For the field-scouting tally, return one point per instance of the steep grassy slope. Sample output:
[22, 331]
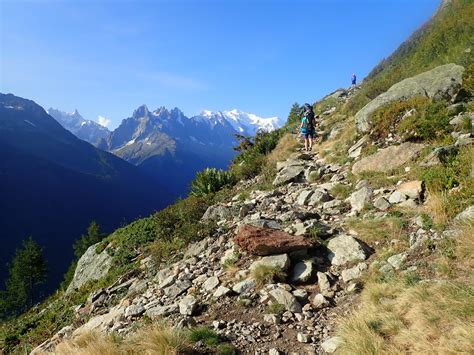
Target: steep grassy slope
[447, 38]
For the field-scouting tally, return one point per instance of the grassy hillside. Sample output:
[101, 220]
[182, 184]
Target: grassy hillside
[447, 38]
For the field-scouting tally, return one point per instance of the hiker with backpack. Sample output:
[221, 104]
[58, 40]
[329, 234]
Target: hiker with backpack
[307, 126]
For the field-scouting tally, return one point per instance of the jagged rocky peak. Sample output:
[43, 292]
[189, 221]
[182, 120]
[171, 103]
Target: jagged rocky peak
[141, 111]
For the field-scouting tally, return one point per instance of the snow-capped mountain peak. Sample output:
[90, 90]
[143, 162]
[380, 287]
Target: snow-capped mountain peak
[243, 122]
[87, 130]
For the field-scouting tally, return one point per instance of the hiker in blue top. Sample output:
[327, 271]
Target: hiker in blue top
[307, 126]
[353, 81]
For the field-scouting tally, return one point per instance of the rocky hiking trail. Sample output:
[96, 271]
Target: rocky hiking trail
[297, 228]
[285, 265]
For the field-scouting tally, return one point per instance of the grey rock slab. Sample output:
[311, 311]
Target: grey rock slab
[302, 271]
[388, 158]
[286, 299]
[244, 287]
[466, 215]
[177, 289]
[211, 283]
[353, 273]
[319, 196]
[330, 345]
[381, 203]
[319, 301]
[134, 310]
[360, 198]
[397, 260]
[397, 197]
[304, 197]
[221, 291]
[161, 311]
[281, 261]
[188, 305]
[288, 174]
[442, 82]
[344, 249]
[91, 266]
[323, 282]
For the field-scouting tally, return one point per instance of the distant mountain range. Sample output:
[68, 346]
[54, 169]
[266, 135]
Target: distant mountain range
[87, 130]
[52, 185]
[168, 145]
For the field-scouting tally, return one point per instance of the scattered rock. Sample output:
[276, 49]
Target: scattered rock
[353, 273]
[397, 260]
[288, 174]
[466, 215]
[412, 189]
[134, 310]
[286, 299]
[188, 305]
[221, 291]
[210, 284]
[302, 271]
[319, 301]
[281, 261]
[360, 198]
[245, 286]
[330, 345]
[381, 204]
[344, 249]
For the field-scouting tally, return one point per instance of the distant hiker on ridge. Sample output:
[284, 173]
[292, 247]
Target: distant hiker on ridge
[353, 81]
[307, 126]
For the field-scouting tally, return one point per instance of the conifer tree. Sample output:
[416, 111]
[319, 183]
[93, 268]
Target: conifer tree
[27, 271]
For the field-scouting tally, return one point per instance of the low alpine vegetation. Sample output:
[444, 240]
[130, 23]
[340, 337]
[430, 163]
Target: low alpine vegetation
[210, 181]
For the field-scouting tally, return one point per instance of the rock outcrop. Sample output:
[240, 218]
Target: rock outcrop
[443, 82]
[388, 158]
[91, 266]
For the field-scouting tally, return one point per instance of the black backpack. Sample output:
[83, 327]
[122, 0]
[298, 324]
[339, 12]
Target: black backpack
[309, 114]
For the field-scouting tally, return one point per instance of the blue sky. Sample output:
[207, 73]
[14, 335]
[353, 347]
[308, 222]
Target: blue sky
[108, 57]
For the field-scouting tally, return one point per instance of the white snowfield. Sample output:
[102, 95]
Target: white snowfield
[246, 123]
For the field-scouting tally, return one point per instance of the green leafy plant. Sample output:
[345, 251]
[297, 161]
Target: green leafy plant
[204, 334]
[211, 180]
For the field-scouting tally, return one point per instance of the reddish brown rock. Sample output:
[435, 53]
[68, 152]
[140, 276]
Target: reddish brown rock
[267, 241]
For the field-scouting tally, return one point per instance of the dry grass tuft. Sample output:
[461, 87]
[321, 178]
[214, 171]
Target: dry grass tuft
[402, 315]
[158, 339]
[286, 145]
[436, 206]
[265, 274]
[388, 228]
[335, 150]
[429, 318]
[89, 343]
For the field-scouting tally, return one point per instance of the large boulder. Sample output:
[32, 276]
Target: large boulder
[286, 299]
[289, 174]
[443, 82]
[388, 158]
[91, 266]
[344, 249]
[266, 241]
[360, 198]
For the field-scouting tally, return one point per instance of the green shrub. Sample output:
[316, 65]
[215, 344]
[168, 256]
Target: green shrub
[226, 349]
[252, 158]
[204, 334]
[429, 120]
[211, 180]
[276, 308]
[341, 191]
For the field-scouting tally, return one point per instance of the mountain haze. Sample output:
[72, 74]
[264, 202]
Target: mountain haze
[54, 184]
